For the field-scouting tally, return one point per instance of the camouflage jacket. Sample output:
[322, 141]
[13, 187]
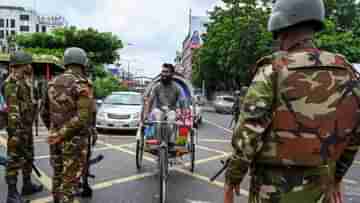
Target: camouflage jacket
[21, 104]
[68, 105]
[299, 111]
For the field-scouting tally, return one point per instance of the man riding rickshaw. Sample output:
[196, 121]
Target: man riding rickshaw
[166, 128]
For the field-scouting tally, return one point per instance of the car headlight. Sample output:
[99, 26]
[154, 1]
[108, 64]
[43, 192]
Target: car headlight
[136, 115]
[101, 115]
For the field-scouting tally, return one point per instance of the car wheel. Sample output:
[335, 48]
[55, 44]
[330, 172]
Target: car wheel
[101, 130]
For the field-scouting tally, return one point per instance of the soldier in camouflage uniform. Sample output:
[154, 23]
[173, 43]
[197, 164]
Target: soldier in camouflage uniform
[297, 132]
[67, 114]
[19, 96]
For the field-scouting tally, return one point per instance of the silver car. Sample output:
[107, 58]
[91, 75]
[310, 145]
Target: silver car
[120, 111]
[224, 104]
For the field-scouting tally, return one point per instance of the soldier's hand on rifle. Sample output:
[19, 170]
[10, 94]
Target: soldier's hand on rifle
[54, 139]
[229, 192]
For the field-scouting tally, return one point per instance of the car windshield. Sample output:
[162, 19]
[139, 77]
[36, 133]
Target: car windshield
[123, 99]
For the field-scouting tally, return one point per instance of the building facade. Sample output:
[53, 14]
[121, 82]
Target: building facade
[17, 20]
[197, 28]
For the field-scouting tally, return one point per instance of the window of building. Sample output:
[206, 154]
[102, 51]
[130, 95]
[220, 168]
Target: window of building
[7, 22]
[12, 23]
[7, 33]
[13, 32]
[43, 28]
[2, 34]
[24, 17]
[2, 22]
[37, 29]
[24, 28]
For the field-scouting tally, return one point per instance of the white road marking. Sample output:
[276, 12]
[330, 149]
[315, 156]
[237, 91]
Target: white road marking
[213, 158]
[42, 200]
[94, 150]
[44, 179]
[206, 179]
[119, 148]
[219, 126]
[210, 150]
[352, 182]
[107, 184]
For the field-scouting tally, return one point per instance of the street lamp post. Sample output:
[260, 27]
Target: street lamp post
[128, 61]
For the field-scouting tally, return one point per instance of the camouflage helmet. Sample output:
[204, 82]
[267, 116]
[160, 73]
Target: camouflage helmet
[287, 13]
[75, 55]
[20, 58]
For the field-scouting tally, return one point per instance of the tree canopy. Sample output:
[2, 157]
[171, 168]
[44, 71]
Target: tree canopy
[237, 37]
[101, 47]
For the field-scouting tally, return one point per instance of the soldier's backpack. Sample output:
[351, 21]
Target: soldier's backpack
[315, 112]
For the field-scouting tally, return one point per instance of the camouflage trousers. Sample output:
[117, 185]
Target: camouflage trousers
[292, 185]
[20, 153]
[68, 161]
[56, 161]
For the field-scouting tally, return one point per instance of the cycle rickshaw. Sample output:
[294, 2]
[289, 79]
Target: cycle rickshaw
[156, 142]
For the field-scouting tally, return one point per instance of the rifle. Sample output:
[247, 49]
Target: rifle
[222, 169]
[84, 186]
[3, 162]
[228, 195]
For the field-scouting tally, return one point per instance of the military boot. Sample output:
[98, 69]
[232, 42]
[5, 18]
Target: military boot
[56, 200]
[30, 188]
[13, 195]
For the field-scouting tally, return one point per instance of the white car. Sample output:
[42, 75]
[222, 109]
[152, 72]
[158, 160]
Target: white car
[120, 111]
[224, 104]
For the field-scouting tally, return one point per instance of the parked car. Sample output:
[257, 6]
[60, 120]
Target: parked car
[224, 104]
[120, 111]
[200, 99]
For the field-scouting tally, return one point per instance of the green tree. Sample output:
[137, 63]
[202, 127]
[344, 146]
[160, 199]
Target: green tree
[101, 47]
[237, 37]
[104, 86]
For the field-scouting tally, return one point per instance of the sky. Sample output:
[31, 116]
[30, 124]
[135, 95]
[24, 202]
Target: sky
[154, 28]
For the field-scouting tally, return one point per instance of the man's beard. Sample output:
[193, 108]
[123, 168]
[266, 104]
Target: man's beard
[166, 80]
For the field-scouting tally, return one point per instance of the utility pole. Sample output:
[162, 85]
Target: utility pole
[128, 70]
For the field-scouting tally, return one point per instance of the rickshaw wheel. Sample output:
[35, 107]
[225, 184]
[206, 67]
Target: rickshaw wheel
[139, 152]
[163, 164]
[192, 147]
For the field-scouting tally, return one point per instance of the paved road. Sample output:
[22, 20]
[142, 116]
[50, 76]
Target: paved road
[118, 181]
